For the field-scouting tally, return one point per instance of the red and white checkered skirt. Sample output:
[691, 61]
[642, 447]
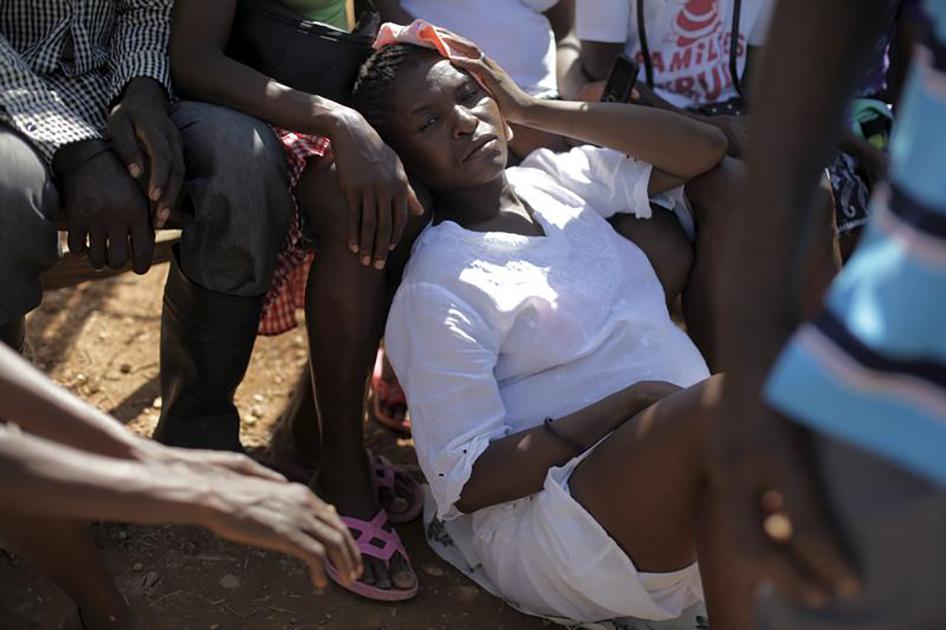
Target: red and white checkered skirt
[287, 291]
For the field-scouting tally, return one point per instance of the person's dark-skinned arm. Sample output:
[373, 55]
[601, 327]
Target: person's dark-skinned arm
[561, 19]
[370, 173]
[679, 148]
[62, 458]
[42, 478]
[793, 135]
[516, 466]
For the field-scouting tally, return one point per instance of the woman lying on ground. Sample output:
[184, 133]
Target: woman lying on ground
[558, 412]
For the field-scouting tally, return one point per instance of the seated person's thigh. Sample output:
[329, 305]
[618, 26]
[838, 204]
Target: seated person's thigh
[28, 237]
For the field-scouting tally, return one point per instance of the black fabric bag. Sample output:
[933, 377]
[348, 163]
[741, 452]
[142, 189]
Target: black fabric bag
[308, 56]
[735, 106]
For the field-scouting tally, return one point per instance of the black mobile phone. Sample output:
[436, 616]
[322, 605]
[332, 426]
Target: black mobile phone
[621, 80]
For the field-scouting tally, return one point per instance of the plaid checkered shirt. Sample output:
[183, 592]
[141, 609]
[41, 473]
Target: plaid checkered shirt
[64, 63]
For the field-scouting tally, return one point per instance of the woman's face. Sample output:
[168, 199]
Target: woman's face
[445, 127]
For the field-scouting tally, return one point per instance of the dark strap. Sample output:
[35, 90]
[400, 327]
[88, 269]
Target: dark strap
[734, 47]
[645, 48]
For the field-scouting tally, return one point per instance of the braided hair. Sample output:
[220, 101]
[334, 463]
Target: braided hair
[377, 74]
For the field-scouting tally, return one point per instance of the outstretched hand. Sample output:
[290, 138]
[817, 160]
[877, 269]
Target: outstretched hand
[774, 519]
[253, 505]
[288, 518]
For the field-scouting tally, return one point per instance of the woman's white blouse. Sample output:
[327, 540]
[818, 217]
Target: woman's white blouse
[490, 333]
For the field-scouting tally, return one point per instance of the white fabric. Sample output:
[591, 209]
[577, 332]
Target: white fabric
[688, 40]
[513, 32]
[609, 180]
[490, 333]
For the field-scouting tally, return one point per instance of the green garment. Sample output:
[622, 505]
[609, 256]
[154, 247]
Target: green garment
[326, 11]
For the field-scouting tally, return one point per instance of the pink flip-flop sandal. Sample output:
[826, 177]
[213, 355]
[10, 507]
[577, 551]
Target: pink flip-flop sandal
[383, 477]
[382, 393]
[373, 540]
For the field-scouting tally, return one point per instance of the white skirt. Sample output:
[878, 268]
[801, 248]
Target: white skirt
[547, 556]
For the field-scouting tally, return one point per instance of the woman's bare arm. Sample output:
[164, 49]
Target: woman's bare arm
[201, 70]
[515, 466]
[677, 146]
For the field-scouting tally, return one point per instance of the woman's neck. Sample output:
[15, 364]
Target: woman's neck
[493, 207]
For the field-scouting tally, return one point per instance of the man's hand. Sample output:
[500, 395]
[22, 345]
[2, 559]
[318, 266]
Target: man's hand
[106, 211]
[148, 143]
[251, 504]
[284, 517]
[376, 188]
[769, 500]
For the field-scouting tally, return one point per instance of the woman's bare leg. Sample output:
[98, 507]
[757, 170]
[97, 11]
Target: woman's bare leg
[646, 486]
[64, 551]
[346, 308]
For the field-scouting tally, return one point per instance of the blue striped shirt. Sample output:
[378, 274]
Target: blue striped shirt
[871, 369]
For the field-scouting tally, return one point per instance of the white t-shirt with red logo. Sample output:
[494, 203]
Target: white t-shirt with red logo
[689, 41]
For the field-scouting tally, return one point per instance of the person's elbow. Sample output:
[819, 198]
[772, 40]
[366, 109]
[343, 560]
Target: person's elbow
[713, 144]
[717, 145]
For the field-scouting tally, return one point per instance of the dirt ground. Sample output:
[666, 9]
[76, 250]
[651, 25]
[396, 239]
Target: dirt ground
[100, 340]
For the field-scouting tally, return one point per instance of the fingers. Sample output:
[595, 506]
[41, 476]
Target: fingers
[122, 134]
[413, 203]
[369, 213]
[142, 245]
[382, 241]
[814, 545]
[460, 44]
[331, 517]
[167, 170]
[98, 248]
[314, 556]
[475, 66]
[353, 200]
[175, 183]
[399, 219]
[783, 573]
[117, 249]
[159, 151]
[78, 239]
[337, 551]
